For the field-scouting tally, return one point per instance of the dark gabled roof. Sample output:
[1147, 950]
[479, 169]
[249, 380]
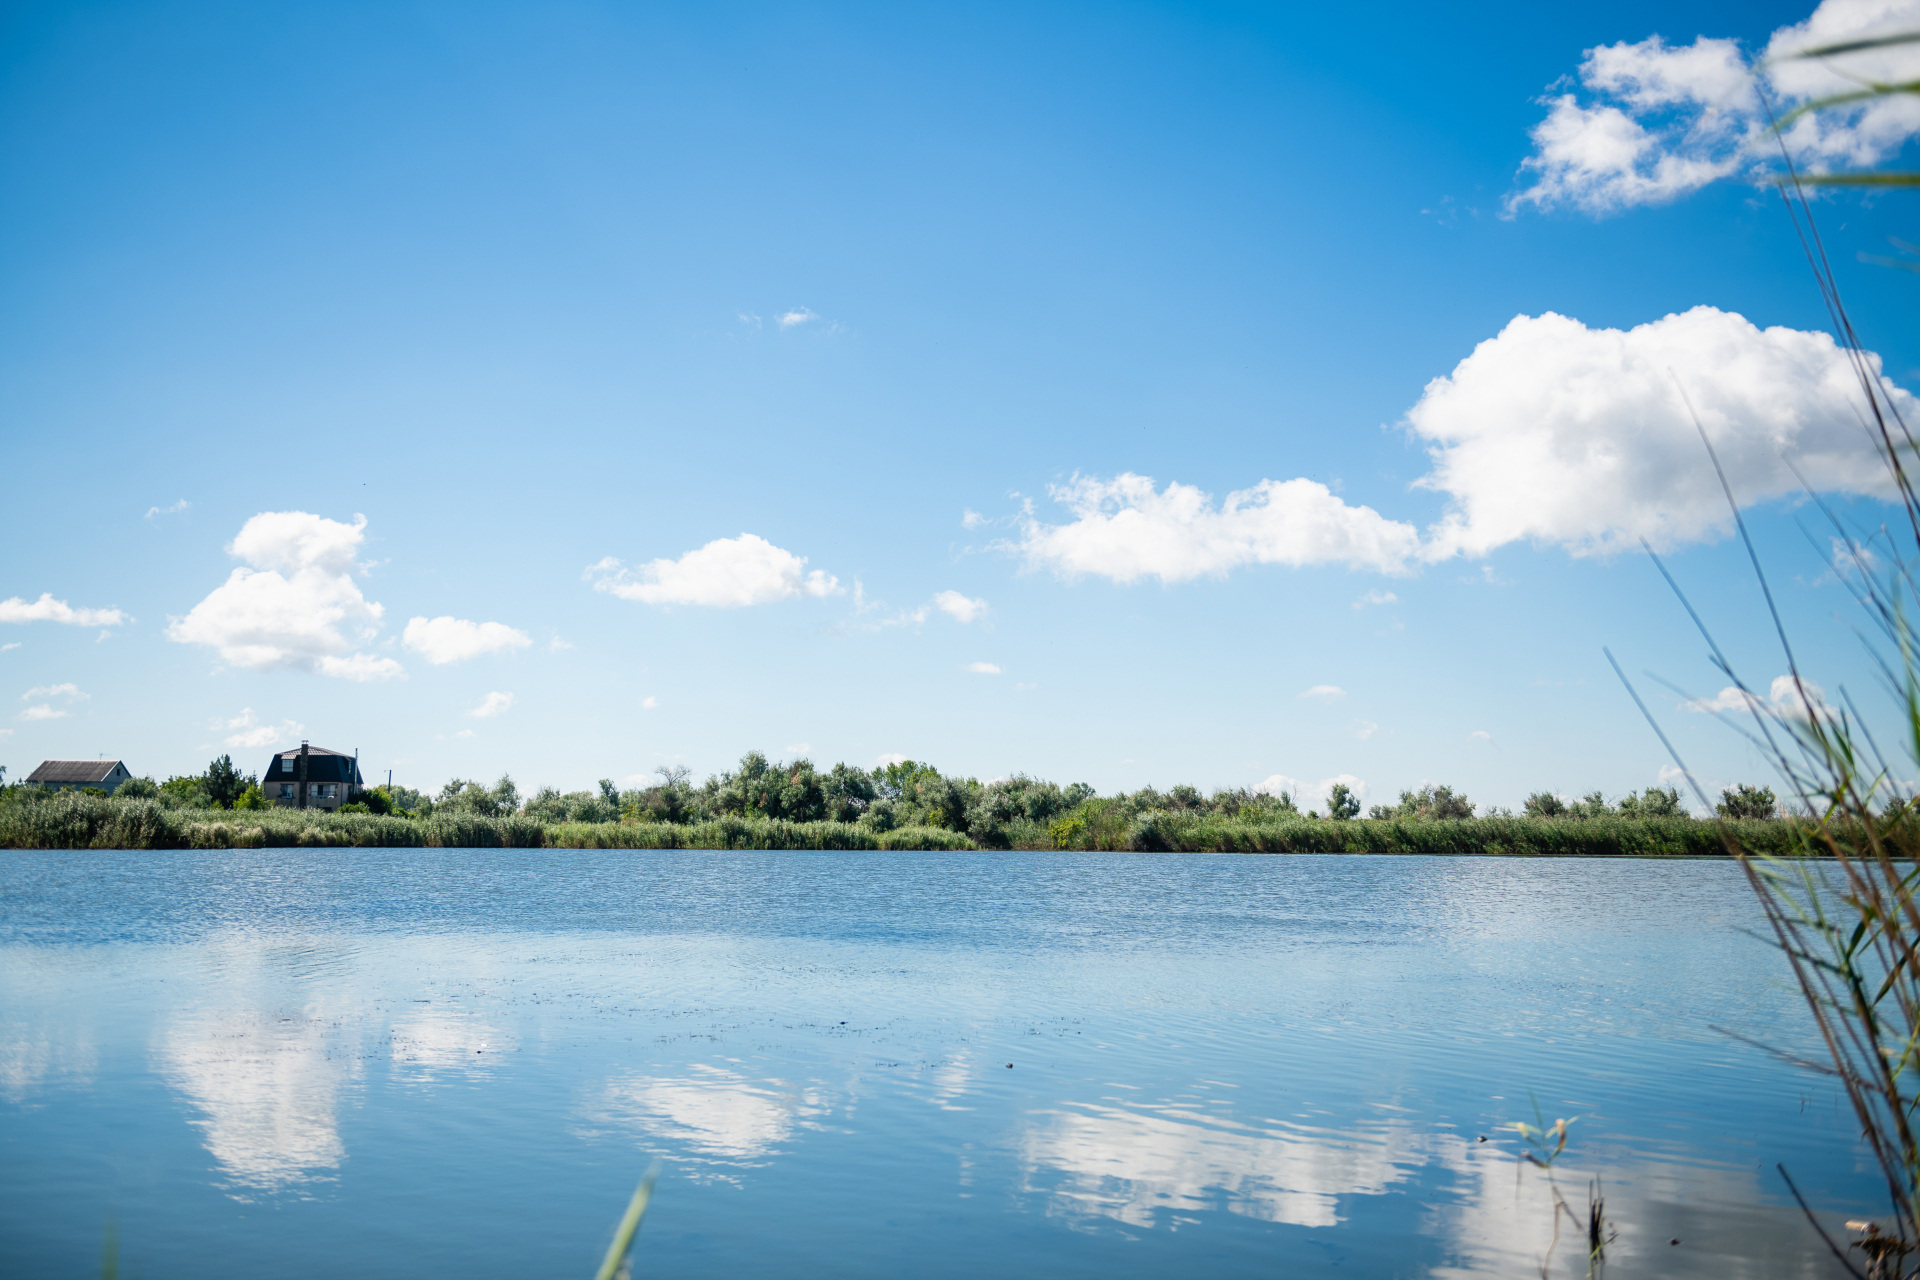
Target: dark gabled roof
[322, 766]
[74, 771]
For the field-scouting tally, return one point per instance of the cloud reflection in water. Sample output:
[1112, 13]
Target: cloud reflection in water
[267, 1088]
[1131, 1163]
[713, 1116]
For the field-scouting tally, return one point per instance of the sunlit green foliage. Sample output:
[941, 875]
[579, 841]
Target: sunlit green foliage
[1429, 803]
[1744, 801]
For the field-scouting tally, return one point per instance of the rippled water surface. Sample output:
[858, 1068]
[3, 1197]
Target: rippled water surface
[455, 1062]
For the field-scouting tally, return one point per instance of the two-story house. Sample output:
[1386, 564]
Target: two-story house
[312, 778]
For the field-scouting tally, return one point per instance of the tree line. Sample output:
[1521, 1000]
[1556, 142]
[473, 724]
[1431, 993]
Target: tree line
[909, 793]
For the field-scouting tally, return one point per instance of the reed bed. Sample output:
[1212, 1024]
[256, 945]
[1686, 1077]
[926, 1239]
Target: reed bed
[74, 821]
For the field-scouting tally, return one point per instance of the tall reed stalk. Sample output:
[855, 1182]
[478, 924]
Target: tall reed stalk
[1841, 902]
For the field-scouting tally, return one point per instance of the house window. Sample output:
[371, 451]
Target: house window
[286, 764]
[286, 791]
[328, 790]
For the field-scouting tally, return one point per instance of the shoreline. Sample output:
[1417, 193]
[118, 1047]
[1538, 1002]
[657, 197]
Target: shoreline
[86, 822]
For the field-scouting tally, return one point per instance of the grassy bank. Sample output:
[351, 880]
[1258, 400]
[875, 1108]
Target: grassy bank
[1500, 837]
[75, 821]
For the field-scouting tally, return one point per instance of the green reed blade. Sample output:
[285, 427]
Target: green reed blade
[629, 1226]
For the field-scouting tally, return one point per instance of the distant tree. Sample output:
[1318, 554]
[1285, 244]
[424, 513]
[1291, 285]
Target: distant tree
[252, 798]
[1654, 802]
[1744, 801]
[880, 816]
[1592, 805]
[224, 783]
[942, 802]
[498, 801]
[400, 801]
[1342, 804]
[848, 792]
[1429, 804]
[138, 789]
[901, 780]
[1185, 798]
[1545, 804]
[185, 793]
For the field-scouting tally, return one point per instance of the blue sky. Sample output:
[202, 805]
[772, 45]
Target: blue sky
[535, 289]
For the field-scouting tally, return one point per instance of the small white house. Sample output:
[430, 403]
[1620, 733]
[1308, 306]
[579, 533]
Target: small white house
[71, 775]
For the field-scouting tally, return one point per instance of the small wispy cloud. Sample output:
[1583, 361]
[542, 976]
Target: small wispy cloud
[246, 730]
[797, 316]
[891, 757]
[559, 645]
[1323, 693]
[44, 712]
[1375, 597]
[971, 519]
[1364, 729]
[68, 690]
[799, 748]
[1481, 735]
[982, 668]
[154, 513]
[649, 702]
[960, 608]
[495, 704]
[13, 645]
[47, 609]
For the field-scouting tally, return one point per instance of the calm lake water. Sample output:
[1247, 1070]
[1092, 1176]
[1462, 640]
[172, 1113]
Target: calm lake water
[381, 1063]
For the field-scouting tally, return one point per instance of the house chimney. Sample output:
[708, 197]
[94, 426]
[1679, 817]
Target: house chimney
[303, 773]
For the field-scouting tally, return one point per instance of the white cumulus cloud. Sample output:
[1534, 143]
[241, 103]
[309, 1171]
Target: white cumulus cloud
[1653, 120]
[958, 607]
[1555, 432]
[247, 731]
[47, 609]
[1549, 432]
[1324, 693]
[293, 604]
[1375, 597]
[649, 702]
[1784, 698]
[1125, 529]
[727, 573]
[982, 668]
[45, 711]
[494, 704]
[446, 639]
